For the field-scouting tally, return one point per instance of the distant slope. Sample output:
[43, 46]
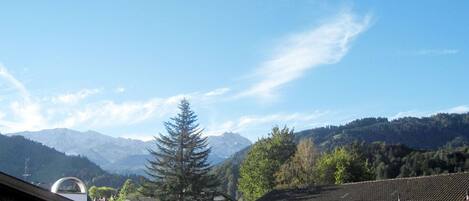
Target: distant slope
[420, 133]
[99, 148]
[122, 155]
[225, 145]
[46, 165]
[228, 172]
[428, 133]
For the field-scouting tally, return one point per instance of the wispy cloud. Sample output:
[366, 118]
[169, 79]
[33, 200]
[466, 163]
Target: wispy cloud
[249, 124]
[325, 44]
[436, 52]
[411, 113]
[119, 90]
[419, 113]
[458, 109]
[25, 113]
[73, 98]
[8, 77]
[69, 110]
[218, 92]
[139, 136]
[109, 113]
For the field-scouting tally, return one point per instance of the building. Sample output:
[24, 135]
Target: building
[14, 189]
[79, 195]
[447, 187]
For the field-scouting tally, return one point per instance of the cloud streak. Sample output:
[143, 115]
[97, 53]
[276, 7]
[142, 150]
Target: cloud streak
[8, 77]
[25, 113]
[437, 52]
[325, 44]
[109, 113]
[70, 111]
[73, 98]
[251, 125]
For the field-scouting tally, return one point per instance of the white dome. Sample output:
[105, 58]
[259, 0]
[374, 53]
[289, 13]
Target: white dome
[55, 188]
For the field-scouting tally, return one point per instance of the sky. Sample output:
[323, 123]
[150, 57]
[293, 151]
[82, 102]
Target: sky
[121, 67]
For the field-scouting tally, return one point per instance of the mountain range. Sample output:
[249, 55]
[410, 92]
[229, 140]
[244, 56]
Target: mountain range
[122, 155]
[42, 165]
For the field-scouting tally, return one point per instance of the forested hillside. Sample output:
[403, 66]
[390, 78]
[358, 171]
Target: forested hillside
[421, 133]
[399, 148]
[46, 165]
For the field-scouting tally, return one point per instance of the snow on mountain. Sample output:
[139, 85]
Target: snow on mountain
[121, 154]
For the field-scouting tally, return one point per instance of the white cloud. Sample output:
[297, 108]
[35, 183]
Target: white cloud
[325, 44]
[252, 123]
[218, 92]
[25, 113]
[458, 109]
[73, 98]
[436, 52]
[411, 113]
[119, 90]
[418, 113]
[14, 82]
[139, 136]
[109, 113]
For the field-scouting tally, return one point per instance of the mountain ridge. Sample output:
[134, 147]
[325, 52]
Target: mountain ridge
[46, 165]
[431, 133]
[122, 155]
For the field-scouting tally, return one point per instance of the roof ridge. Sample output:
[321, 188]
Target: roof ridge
[406, 178]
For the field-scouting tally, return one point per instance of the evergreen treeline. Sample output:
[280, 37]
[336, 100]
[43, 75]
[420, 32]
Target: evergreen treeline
[429, 145]
[420, 133]
[46, 165]
[391, 161]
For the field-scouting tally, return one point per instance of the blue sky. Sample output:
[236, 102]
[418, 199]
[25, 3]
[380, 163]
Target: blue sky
[120, 67]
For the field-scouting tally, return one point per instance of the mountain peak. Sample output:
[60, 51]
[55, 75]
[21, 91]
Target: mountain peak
[107, 151]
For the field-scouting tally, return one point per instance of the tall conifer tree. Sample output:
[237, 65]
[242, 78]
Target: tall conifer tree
[179, 169]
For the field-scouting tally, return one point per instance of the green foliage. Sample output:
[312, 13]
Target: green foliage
[179, 169]
[101, 192]
[127, 189]
[421, 133]
[228, 172]
[298, 171]
[263, 161]
[391, 161]
[387, 161]
[341, 166]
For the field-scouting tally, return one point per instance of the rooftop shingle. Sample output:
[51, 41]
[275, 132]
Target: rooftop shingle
[447, 187]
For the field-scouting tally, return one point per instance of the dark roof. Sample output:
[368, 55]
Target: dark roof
[447, 187]
[12, 186]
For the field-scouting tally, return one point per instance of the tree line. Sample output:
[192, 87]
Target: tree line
[276, 162]
[179, 170]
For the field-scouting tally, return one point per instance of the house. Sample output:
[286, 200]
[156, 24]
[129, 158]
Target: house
[446, 187]
[14, 189]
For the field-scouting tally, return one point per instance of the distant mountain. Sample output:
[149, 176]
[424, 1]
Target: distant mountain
[419, 133]
[102, 149]
[225, 145]
[429, 133]
[46, 165]
[123, 155]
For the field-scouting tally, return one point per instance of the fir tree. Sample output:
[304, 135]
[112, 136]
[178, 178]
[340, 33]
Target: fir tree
[179, 169]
